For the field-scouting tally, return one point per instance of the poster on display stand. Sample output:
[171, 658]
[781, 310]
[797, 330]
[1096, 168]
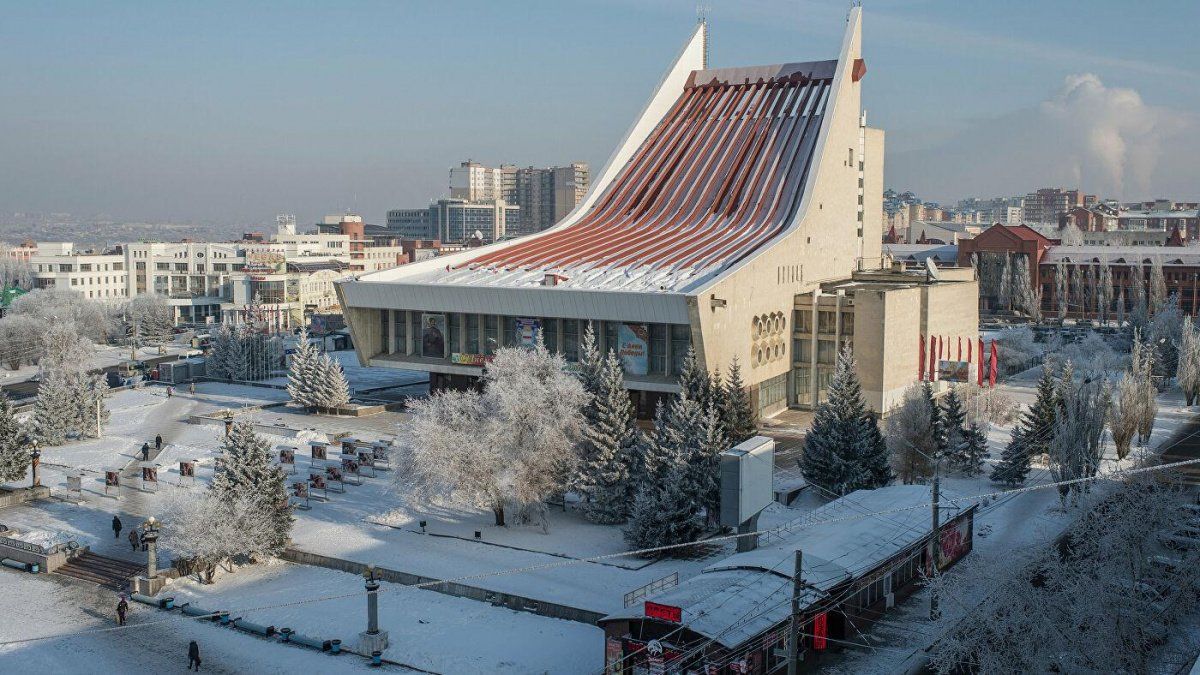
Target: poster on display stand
[287, 457]
[317, 480]
[350, 465]
[300, 490]
[334, 473]
[367, 458]
[187, 469]
[112, 480]
[150, 476]
[318, 451]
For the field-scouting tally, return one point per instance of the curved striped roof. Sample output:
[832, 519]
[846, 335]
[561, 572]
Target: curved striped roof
[721, 174]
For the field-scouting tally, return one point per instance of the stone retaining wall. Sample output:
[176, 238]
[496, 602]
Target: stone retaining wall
[516, 602]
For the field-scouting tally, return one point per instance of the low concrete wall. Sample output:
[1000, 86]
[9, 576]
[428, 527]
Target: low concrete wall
[21, 495]
[516, 602]
[48, 562]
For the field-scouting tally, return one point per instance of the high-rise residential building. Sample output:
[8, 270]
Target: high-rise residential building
[546, 195]
[1047, 204]
[456, 220]
[475, 182]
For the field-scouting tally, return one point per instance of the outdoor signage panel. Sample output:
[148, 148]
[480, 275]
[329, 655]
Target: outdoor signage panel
[954, 371]
[634, 348]
[527, 331]
[461, 359]
[433, 336]
[671, 613]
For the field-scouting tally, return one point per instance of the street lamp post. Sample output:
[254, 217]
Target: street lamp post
[372, 641]
[150, 537]
[35, 459]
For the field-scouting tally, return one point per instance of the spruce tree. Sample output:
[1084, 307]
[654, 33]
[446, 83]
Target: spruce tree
[591, 361]
[302, 371]
[333, 391]
[936, 423]
[14, 455]
[219, 364]
[953, 419]
[972, 451]
[1013, 467]
[54, 411]
[88, 393]
[705, 463]
[604, 480]
[664, 510]
[737, 410]
[1031, 435]
[694, 381]
[244, 470]
[843, 450]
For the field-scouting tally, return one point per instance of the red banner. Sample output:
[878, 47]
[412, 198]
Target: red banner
[671, 613]
[982, 361]
[992, 368]
[920, 357]
[820, 631]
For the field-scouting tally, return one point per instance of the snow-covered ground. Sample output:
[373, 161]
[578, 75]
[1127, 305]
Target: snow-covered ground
[105, 356]
[426, 629]
[79, 621]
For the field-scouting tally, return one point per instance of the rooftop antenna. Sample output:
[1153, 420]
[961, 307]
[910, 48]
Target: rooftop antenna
[702, 19]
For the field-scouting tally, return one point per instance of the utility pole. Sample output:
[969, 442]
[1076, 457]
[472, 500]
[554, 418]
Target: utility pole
[794, 628]
[934, 544]
[98, 402]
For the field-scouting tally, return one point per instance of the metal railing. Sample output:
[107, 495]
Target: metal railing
[636, 594]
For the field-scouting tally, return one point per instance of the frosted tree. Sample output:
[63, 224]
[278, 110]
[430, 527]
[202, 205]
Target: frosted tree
[220, 364]
[1104, 290]
[1140, 315]
[738, 411]
[604, 479]
[331, 390]
[1125, 413]
[14, 455]
[707, 441]
[841, 450]
[695, 382]
[591, 361]
[1121, 307]
[1060, 289]
[89, 394]
[54, 306]
[148, 319]
[1004, 294]
[208, 531]
[302, 372]
[1141, 365]
[20, 341]
[911, 437]
[15, 272]
[665, 509]
[1076, 446]
[1028, 300]
[244, 471]
[54, 412]
[511, 445]
[1090, 289]
[1071, 235]
[240, 354]
[1164, 335]
[937, 425]
[1078, 294]
[1187, 372]
[1158, 284]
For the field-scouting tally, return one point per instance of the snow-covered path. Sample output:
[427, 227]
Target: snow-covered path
[56, 606]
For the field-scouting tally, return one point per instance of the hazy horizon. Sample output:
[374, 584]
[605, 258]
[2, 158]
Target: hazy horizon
[228, 113]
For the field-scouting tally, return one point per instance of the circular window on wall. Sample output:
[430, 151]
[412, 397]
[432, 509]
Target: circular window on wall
[756, 328]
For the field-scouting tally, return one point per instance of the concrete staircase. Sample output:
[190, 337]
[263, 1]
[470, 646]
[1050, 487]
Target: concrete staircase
[100, 570]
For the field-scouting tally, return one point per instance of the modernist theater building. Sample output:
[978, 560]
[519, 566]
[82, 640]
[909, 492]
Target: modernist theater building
[742, 208]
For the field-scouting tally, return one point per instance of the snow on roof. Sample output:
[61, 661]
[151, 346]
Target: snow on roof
[737, 598]
[1130, 254]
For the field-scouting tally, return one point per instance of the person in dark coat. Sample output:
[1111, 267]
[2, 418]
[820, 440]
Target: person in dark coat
[158, 442]
[145, 452]
[116, 527]
[194, 656]
[134, 539]
[122, 608]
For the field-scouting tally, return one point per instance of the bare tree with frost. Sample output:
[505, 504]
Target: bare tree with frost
[511, 445]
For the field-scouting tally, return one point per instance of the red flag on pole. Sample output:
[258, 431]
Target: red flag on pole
[982, 362]
[932, 358]
[960, 348]
[920, 357]
[992, 369]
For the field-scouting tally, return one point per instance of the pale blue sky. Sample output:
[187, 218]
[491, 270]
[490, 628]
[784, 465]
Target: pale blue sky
[233, 111]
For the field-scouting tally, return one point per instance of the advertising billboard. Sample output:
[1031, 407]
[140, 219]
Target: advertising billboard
[954, 371]
[527, 331]
[433, 336]
[634, 348]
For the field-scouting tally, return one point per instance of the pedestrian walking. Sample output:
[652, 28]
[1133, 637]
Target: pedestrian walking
[194, 656]
[192, 388]
[158, 442]
[170, 392]
[122, 608]
[116, 525]
[145, 452]
[134, 540]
